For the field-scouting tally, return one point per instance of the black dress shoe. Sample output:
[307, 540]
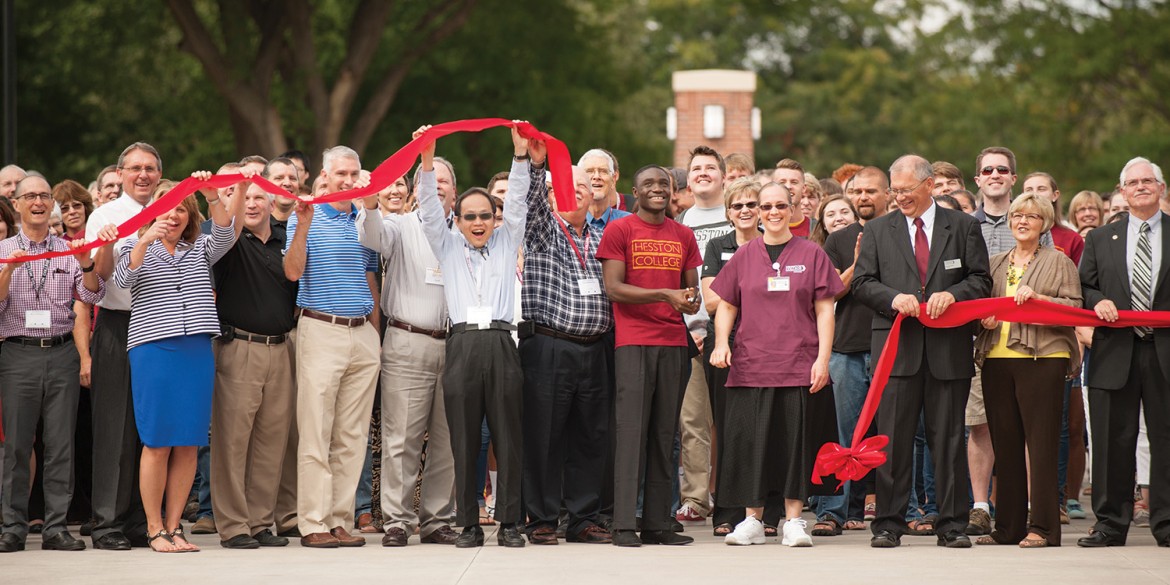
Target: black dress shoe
[139, 540]
[294, 532]
[112, 541]
[664, 537]
[240, 541]
[675, 525]
[62, 541]
[1098, 539]
[267, 538]
[954, 539]
[471, 537]
[10, 542]
[626, 538]
[509, 536]
[87, 528]
[885, 539]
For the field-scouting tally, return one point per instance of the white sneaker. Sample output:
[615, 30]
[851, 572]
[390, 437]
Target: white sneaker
[750, 531]
[794, 534]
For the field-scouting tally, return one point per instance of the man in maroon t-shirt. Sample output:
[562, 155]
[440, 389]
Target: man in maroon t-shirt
[649, 263]
[1064, 239]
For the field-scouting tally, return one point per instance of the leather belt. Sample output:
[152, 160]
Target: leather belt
[43, 342]
[436, 334]
[334, 319]
[264, 339]
[494, 325]
[582, 339]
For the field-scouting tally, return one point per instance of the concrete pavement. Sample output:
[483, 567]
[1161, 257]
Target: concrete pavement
[840, 559]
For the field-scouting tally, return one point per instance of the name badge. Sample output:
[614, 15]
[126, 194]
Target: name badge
[36, 320]
[726, 256]
[778, 283]
[589, 286]
[952, 264]
[480, 316]
[435, 276]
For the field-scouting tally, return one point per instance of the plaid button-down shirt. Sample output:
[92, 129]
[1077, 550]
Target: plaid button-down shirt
[62, 281]
[551, 295]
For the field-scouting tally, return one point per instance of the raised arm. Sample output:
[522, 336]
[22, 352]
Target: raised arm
[297, 249]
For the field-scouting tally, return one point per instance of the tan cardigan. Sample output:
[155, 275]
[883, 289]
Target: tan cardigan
[1051, 274]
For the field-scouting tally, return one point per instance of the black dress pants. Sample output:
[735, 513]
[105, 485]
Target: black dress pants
[566, 423]
[482, 376]
[650, 385]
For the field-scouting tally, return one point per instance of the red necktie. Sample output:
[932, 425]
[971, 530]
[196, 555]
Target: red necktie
[921, 249]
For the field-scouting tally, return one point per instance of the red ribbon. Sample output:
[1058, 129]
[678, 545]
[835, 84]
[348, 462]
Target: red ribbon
[381, 177]
[853, 463]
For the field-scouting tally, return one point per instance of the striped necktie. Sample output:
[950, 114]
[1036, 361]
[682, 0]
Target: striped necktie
[1140, 286]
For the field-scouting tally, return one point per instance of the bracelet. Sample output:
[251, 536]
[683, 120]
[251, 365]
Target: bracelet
[520, 157]
[92, 265]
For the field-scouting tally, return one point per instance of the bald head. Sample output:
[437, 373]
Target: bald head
[10, 175]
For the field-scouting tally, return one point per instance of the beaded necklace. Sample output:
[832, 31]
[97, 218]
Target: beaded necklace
[1014, 276]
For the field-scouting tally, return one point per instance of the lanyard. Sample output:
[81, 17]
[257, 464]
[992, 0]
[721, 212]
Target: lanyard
[477, 279]
[37, 288]
[573, 243]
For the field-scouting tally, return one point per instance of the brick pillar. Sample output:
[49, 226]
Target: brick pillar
[731, 89]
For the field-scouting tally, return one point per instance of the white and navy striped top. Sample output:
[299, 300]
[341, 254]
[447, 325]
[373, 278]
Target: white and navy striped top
[334, 281]
[172, 296]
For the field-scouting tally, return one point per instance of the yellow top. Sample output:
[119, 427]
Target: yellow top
[1001, 350]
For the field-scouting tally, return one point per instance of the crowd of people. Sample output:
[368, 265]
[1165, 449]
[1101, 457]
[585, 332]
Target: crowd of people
[288, 369]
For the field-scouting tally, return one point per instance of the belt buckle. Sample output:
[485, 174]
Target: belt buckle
[45, 342]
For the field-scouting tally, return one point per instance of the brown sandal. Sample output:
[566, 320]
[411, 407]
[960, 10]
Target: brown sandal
[988, 539]
[1040, 542]
[827, 526]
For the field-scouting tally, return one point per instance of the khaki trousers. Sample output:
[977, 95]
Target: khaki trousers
[695, 436]
[337, 371]
[412, 406]
[285, 513]
[251, 413]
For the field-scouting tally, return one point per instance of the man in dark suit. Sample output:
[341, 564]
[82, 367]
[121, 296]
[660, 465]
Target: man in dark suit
[1124, 266]
[934, 255]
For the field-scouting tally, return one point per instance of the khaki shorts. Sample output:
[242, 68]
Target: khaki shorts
[976, 412]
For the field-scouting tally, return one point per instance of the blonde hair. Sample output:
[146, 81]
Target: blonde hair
[1043, 205]
[190, 203]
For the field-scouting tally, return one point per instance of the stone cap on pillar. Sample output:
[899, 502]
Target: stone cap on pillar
[713, 80]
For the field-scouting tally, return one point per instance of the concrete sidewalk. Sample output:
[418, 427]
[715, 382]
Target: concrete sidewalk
[839, 559]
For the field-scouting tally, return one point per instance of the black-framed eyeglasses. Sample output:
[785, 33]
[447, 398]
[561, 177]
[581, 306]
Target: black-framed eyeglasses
[32, 196]
[899, 192]
[747, 204]
[986, 171]
[766, 207]
[486, 215]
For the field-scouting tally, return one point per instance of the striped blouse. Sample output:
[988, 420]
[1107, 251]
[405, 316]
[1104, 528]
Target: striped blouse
[172, 295]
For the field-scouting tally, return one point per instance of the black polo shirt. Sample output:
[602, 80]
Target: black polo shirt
[719, 252]
[252, 292]
[854, 319]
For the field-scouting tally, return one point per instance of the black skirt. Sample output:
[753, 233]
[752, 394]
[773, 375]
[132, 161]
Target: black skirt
[771, 438]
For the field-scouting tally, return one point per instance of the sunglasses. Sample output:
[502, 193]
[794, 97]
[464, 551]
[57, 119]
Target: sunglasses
[481, 216]
[986, 171]
[749, 205]
[766, 207]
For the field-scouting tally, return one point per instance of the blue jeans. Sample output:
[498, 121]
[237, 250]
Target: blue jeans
[924, 472]
[203, 480]
[363, 501]
[1063, 453]
[481, 463]
[850, 375]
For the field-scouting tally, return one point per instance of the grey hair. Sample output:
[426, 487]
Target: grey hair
[596, 152]
[332, 154]
[7, 168]
[444, 162]
[1137, 161]
[921, 167]
[139, 146]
